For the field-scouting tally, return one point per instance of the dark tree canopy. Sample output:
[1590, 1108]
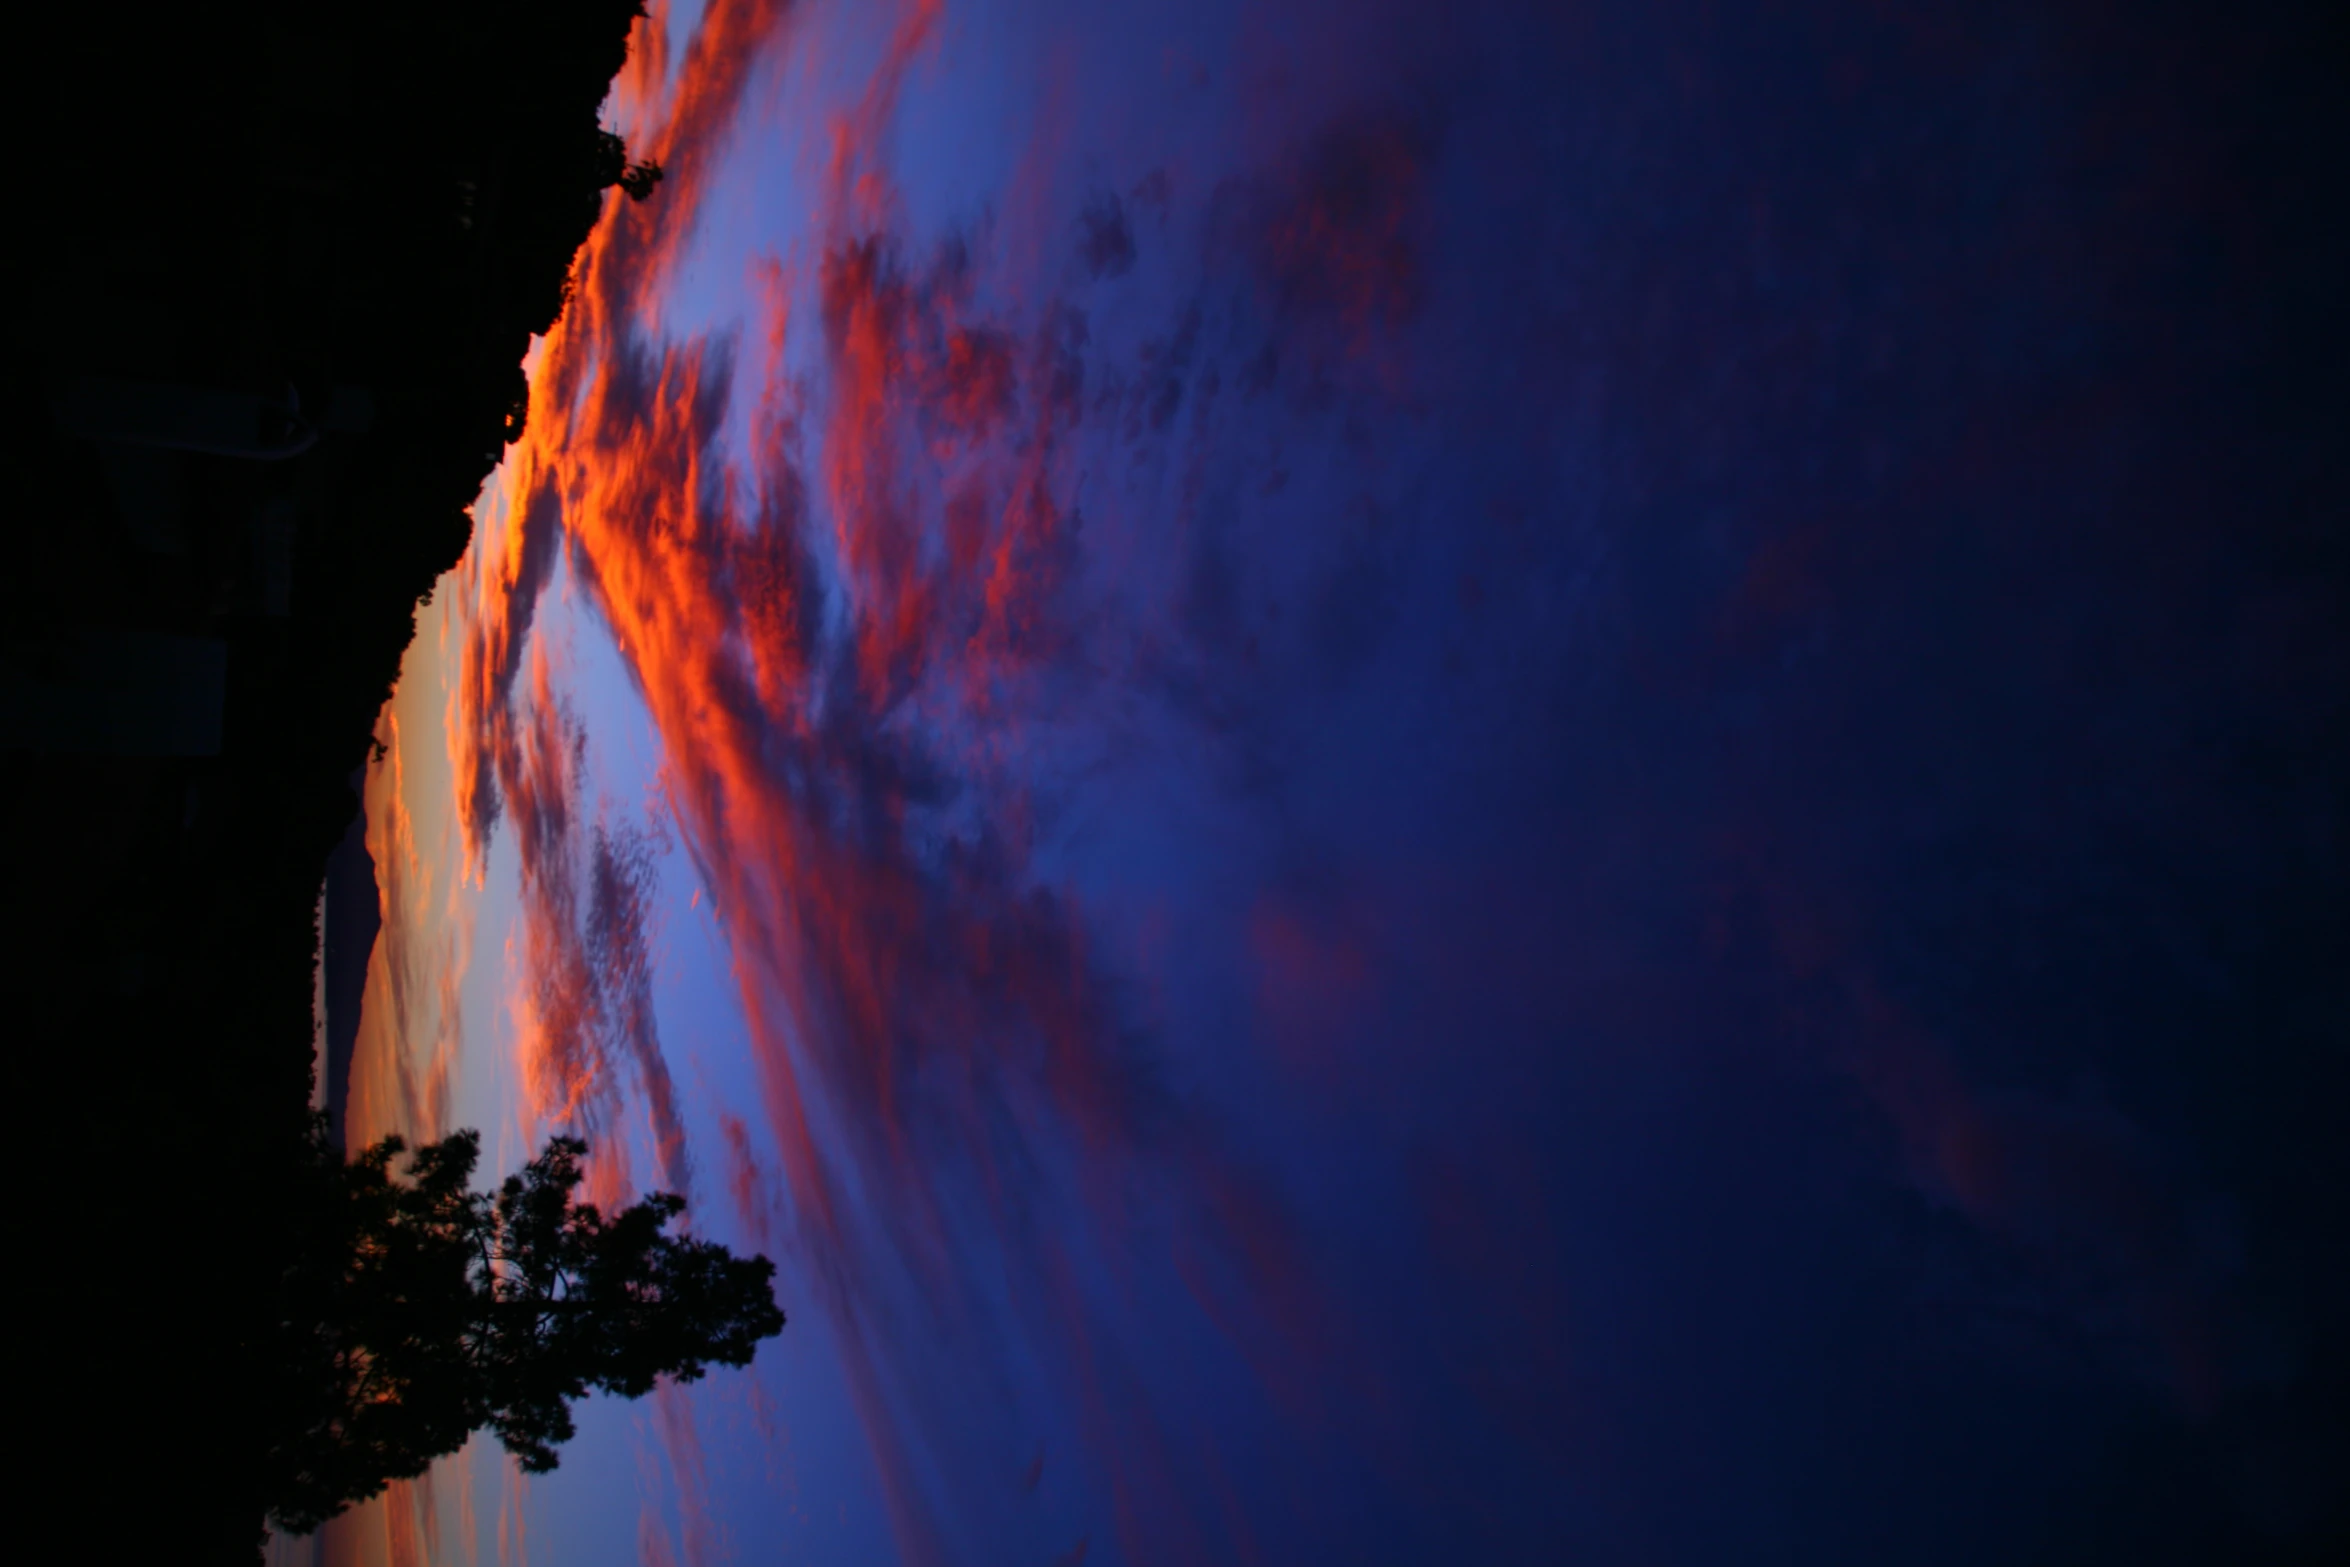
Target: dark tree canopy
[422, 1311]
[614, 168]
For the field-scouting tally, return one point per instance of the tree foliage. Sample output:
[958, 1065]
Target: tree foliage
[422, 1310]
[614, 168]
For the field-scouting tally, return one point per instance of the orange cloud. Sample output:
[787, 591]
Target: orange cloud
[837, 635]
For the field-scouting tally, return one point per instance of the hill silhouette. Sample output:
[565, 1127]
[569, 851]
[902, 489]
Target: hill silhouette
[341, 227]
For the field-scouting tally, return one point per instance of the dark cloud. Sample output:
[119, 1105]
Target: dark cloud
[1355, 603]
[622, 878]
[494, 650]
[587, 888]
[1163, 364]
[1341, 234]
[1106, 245]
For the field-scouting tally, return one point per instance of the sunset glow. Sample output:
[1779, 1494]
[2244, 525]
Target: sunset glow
[1167, 699]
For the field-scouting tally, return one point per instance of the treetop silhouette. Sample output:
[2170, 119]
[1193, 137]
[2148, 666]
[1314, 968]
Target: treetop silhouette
[420, 1311]
[614, 168]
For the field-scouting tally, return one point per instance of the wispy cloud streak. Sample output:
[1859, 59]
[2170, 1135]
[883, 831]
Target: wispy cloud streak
[846, 638]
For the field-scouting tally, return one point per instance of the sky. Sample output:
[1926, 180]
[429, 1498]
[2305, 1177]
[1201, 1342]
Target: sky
[1511, 782]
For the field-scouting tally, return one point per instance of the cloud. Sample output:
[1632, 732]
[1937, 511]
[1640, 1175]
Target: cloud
[1315, 983]
[1107, 243]
[700, 1531]
[621, 882]
[585, 1007]
[1336, 234]
[862, 638]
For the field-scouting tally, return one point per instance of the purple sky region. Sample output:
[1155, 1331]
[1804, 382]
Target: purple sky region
[1397, 784]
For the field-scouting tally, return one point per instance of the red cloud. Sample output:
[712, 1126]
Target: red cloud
[835, 635]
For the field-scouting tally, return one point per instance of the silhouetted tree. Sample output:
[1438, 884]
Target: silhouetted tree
[421, 1311]
[638, 179]
[613, 168]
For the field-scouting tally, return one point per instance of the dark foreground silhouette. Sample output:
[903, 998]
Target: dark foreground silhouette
[419, 1311]
[247, 210]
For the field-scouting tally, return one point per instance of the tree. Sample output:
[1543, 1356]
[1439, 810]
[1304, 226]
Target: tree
[613, 168]
[638, 179]
[419, 1311]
